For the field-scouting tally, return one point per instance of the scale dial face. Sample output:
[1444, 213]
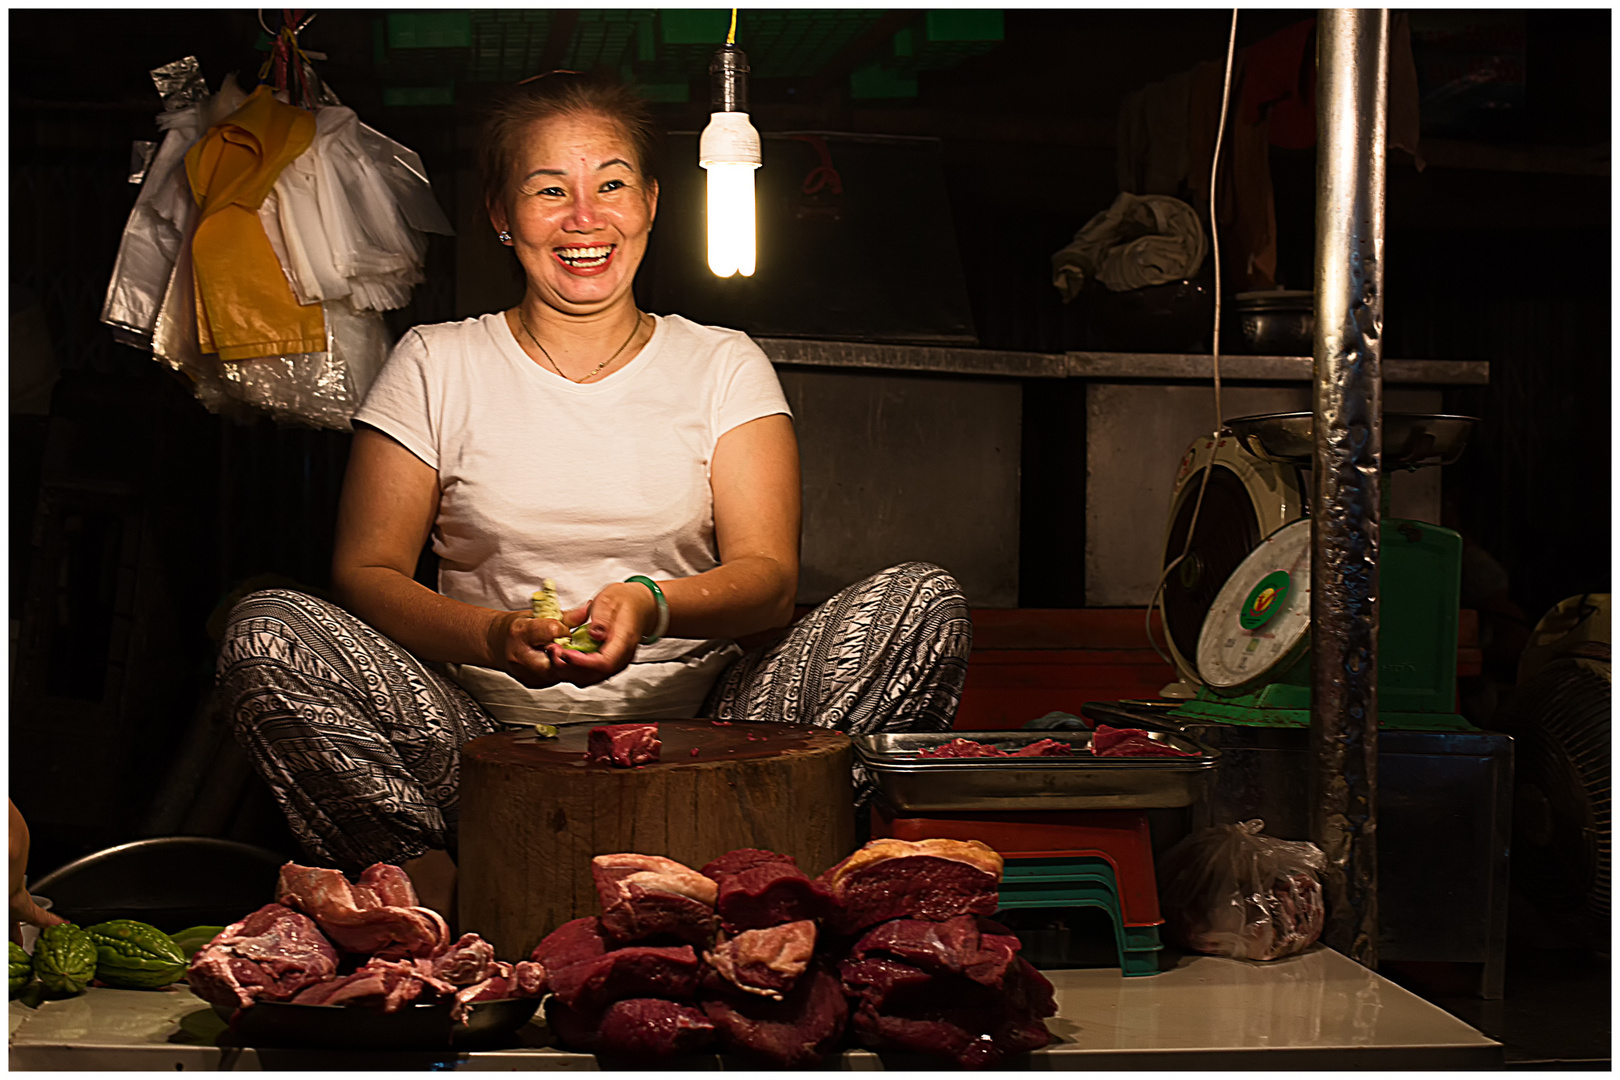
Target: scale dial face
[1261, 619]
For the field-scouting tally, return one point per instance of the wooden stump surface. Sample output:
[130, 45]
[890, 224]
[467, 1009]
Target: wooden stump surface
[534, 814]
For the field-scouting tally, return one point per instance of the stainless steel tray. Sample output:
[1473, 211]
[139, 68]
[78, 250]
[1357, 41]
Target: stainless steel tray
[1081, 782]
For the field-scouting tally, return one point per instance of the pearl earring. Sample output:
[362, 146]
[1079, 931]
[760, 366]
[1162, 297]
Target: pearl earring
[504, 237]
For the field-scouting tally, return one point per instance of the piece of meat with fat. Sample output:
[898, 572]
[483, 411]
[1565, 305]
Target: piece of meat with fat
[270, 955]
[795, 1032]
[524, 979]
[758, 889]
[898, 1006]
[471, 959]
[637, 1030]
[1131, 742]
[765, 962]
[622, 745]
[643, 896]
[585, 971]
[375, 916]
[967, 945]
[906, 879]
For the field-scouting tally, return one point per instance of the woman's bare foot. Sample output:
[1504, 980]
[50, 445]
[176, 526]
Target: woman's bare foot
[433, 876]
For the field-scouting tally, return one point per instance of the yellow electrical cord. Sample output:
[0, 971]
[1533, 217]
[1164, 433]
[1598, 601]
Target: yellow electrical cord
[731, 35]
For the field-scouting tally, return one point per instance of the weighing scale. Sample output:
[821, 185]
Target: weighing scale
[1245, 499]
[1253, 653]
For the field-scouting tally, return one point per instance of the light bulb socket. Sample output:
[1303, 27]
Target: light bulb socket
[728, 80]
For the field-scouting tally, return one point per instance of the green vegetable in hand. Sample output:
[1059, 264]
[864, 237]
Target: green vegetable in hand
[21, 970]
[544, 605]
[65, 958]
[135, 955]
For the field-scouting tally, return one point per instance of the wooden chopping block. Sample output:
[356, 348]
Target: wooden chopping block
[534, 814]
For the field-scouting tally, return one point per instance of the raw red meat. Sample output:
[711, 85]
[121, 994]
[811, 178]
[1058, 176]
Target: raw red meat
[585, 972]
[622, 745]
[967, 748]
[961, 748]
[647, 895]
[765, 962]
[1044, 748]
[1130, 742]
[946, 1014]
[966, 945]
[760, 888]
[638, 1030]
[271, 955]
[903, 879]
[471, 959]
[384, 985]
[377, 915]
[796, 1032]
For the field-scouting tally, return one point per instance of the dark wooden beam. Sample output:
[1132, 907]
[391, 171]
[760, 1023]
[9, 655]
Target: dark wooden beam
[558, 36]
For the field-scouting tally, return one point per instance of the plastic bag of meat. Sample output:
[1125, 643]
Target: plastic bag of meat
[1232, 891]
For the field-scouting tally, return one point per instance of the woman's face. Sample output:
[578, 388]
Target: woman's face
[579, 211]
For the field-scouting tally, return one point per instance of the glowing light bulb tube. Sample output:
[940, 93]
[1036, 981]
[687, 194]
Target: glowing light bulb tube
[729, 150]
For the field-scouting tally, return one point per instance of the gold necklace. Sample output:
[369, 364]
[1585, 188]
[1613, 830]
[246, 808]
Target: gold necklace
[525, 324]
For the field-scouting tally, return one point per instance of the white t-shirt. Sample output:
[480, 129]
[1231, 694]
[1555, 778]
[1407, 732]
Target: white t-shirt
[586, 484]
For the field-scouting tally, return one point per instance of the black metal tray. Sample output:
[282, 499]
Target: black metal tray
[352, 1027]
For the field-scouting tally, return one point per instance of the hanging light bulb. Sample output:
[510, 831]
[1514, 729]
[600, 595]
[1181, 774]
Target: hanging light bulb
[729, 151]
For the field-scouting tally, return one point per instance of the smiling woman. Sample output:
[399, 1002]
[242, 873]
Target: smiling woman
[647, 464]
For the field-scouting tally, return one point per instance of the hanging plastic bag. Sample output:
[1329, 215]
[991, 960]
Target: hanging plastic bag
[162, 211]
[1232, 891]
[1140, 240]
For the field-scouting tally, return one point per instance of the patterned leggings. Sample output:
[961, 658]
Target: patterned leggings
[359, 740]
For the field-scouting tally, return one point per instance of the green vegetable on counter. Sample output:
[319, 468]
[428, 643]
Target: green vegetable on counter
[189, 940]
[22, 969]
[64, 958]
[133, 955]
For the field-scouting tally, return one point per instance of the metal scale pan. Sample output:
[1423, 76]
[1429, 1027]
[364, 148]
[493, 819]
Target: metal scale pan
[1411, 440]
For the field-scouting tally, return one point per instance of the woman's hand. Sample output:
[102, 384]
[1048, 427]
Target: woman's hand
[520, 645]
[620, 616]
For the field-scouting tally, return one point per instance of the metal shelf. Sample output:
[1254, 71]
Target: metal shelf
[1176, 367]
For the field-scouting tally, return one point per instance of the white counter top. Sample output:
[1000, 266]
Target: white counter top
[1319, 1010]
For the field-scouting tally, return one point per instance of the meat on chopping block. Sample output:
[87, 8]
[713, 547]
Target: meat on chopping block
[636, 1030]
[795, 1032]
[765, 962]
[271, 955]
[586, 972]
[534, 815]
[758, 889]
[906, 879]
[645, 896]
[623, 745]
[377, 916]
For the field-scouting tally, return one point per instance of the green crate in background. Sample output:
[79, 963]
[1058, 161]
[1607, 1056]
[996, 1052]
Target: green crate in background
[429, 29]
[880, 81]
[419, 95]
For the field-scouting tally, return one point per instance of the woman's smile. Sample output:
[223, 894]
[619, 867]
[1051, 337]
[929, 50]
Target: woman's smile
[585, 261]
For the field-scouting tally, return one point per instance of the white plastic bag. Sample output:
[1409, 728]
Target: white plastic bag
[1231, 891]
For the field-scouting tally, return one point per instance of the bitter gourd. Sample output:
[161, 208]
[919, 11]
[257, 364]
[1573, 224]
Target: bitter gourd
[134, 955]
[64, 958]
[21, 969]
[544, 605]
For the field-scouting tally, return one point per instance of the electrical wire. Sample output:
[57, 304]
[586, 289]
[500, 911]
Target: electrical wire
[731, 35]
[1157, 600]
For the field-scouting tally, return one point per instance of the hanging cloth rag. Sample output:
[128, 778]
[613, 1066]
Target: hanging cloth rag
[245, 305]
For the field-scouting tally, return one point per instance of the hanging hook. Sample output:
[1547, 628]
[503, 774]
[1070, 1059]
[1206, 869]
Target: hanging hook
[262, 25]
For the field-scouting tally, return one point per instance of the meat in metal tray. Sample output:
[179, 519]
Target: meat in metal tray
[1080, 781]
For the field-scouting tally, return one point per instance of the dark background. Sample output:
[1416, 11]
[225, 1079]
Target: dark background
[135, 513]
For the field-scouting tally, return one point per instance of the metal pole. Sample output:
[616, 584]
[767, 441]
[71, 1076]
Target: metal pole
[1352, 61]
